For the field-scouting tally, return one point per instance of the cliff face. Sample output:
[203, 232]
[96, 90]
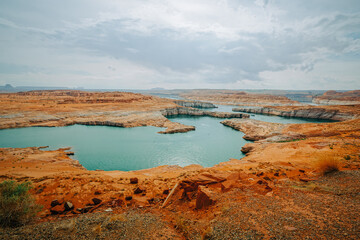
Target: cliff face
[313, 113]
[322, 101]
[197, 112]
[237, 98]
[338, 98]
[195, 104]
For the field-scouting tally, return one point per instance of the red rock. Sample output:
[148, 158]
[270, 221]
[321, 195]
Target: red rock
[204, 197]
[228, 184]
[215, 176]
[134, 180]
[57, 209]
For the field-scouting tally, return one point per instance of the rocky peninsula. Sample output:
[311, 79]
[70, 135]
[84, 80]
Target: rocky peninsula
[118, 109]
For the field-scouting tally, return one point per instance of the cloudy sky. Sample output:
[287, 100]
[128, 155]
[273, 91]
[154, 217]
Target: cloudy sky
[141, 44]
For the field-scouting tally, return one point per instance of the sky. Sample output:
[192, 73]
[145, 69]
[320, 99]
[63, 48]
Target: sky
[143, 44]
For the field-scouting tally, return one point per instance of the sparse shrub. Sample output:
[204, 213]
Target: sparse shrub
[347, 157]
[328, 163]
[17, 206]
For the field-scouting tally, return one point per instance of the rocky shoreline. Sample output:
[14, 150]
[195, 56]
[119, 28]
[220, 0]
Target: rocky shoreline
[320, 113]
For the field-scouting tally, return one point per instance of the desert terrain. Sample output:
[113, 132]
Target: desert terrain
[282, 189]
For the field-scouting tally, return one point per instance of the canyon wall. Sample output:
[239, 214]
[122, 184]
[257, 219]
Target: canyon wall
[197, 112]
[311, 112]
[195, 104]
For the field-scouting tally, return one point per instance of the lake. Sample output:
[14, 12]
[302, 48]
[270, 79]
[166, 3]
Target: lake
[126, 149]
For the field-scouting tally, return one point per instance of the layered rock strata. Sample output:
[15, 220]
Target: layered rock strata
[320, 113]
[338, 98]
[195, 104]
[197, 112]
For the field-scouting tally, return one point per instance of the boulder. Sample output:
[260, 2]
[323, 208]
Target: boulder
[228, 185]
[96, 201]
[134, 180]
[128, 198]
[247, 149]
[57, 209]
[68, 206]
[205, 197]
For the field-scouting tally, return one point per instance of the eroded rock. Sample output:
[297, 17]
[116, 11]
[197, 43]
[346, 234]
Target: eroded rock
[205, 197]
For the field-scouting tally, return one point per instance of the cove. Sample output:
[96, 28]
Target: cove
[126, 149]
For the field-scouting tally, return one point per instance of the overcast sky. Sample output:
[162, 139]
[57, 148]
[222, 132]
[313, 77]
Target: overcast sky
[140, 44]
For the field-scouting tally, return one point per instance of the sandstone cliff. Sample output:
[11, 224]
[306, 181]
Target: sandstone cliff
[321, 113]
[233, 97]
[197, 112]
[338, 98]
[195, 104]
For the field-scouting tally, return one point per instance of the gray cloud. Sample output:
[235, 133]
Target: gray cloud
[179, 44]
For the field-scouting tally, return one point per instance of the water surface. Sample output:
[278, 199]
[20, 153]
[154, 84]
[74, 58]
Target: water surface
[114, 148]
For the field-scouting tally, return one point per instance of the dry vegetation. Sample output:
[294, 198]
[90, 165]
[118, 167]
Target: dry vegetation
[328, 163]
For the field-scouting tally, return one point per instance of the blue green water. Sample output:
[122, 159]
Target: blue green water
[113, 148]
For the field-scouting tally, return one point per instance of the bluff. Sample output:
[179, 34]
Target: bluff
[321, 113]
[195, 104]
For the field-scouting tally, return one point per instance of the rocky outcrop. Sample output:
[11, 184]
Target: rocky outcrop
[197, 112]
[205, 197]
[313, 113]
[234, 97]
[254, 129]
[321, 101]
[195, 104]
[338, 98]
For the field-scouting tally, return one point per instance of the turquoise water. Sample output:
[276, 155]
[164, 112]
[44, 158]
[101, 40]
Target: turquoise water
[113, 148]
[126, 149]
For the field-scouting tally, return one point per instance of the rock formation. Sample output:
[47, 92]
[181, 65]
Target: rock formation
[117, 109]
[338, 98]
[234, 97]
[197, 112]
[321, 113]
[195, 104]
